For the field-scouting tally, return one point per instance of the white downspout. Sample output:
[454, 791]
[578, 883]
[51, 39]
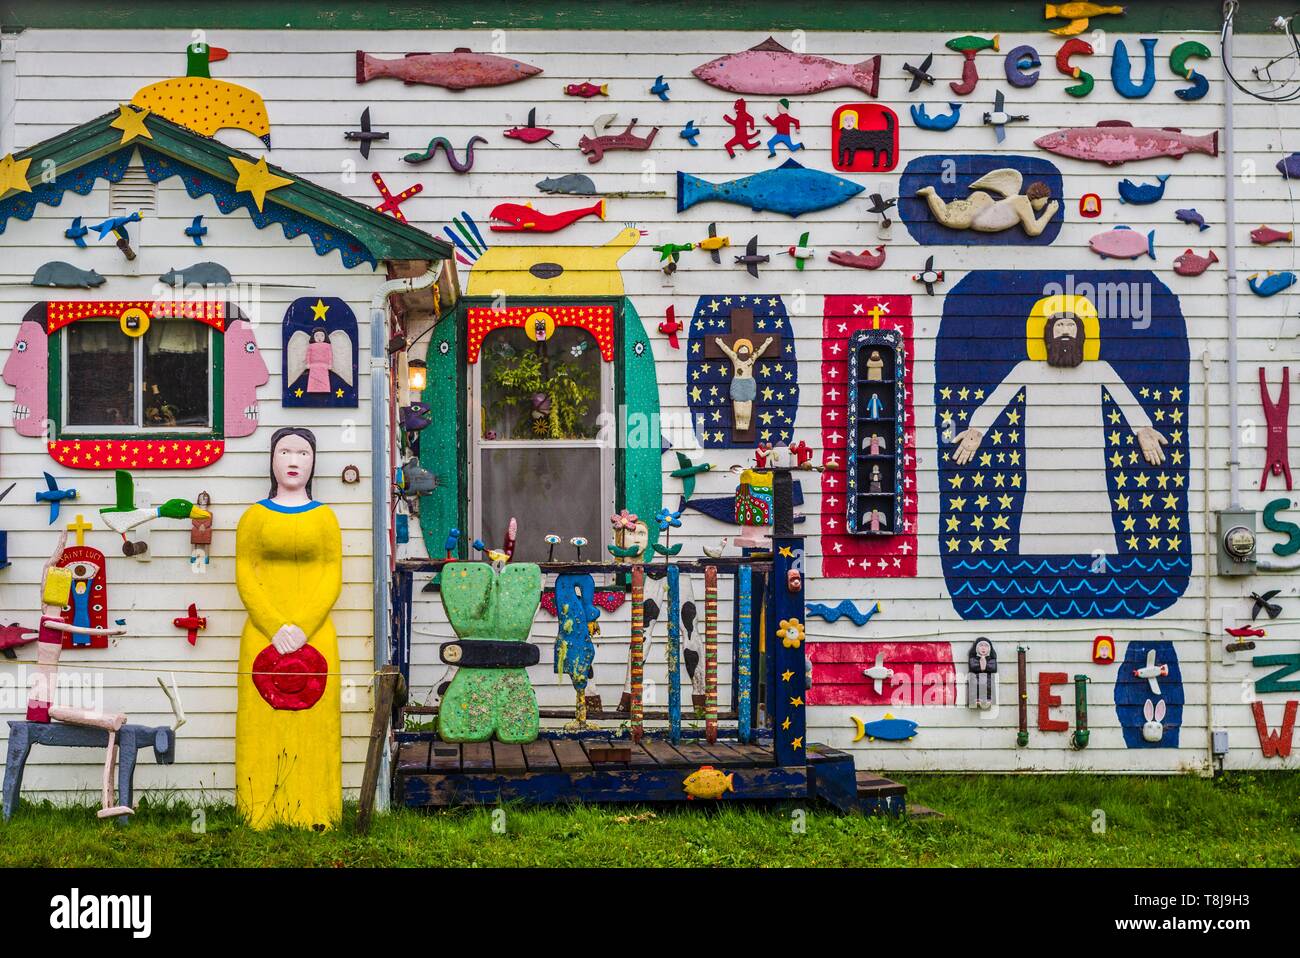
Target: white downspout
[381, 481]
[1230, 265]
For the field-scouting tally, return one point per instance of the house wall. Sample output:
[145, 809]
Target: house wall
[307, 80]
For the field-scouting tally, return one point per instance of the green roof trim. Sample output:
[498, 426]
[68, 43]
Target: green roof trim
[384, 237]
[957, 16]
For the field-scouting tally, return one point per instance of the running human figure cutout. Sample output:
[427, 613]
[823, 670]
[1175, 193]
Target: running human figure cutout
[743, 124]
[784, 123]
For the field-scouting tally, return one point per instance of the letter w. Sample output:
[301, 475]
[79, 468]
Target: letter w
[1275, 743]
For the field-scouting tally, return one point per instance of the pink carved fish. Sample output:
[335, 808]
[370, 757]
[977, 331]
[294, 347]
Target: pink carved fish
[773, 70]
[458, 70]
[863, 260]
[1117, 141]
[1191, 264]
[1123, 243]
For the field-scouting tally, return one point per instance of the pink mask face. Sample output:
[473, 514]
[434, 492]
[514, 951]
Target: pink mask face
[245, 371]
[292, 462]
[27, 370]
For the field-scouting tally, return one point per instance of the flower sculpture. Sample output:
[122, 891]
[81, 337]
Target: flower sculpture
[668, 520]
[791, 633]
[625, 526]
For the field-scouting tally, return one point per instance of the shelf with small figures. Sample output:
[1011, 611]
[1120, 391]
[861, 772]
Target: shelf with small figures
[875, 442]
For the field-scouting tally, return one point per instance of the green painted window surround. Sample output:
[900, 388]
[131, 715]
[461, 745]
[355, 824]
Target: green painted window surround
[943, 16]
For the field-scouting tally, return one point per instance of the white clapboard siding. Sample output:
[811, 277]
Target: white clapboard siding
[307, 80]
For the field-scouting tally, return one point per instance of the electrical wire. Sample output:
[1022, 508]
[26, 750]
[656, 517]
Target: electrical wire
[1229, 12]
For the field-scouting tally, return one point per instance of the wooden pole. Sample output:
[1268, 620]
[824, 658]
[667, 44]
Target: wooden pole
[674, 654]
[711, 653]
[637, 652]
[1022, 683]
[744, 652]
[385, 690]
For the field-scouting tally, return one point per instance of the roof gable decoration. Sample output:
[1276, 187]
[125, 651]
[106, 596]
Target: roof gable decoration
[103, 147]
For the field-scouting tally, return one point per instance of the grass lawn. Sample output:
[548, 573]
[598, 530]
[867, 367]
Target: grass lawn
[1236, 820]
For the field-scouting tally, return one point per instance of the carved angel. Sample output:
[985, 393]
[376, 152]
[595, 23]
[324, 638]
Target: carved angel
[319, 355]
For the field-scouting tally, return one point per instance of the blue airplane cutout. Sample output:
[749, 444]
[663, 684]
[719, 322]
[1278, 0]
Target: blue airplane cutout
[660, 88]
[54, 496]
[116, 224]
[77, 233]
[196, 230]
[689, 132]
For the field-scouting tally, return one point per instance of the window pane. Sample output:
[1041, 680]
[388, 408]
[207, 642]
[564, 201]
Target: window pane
[547, 390]
[547, 489]
[176, 364]
[101, 375]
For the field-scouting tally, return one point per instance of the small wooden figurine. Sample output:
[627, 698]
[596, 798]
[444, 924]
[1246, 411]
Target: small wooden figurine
[528, 133]
[670, 327]
[196, 230]
[124, 516]
[586, 89]
[1263, 235]
[1090, 205]
[191, 622]
[1032, 210]
[1103, 650]
[1193, 218]
[1191, 264]
[201, 530]
[998, 118]
[940, 121]
[1140, 194]
[54, 496]
[1277, 460]
[982, 684]
[743, 129]
[929, 276]
[1271, 284]
[522, 218]
[752, 258]
[919, 74]
[1078, 14]
[596, 147]
[660, 88]
[365, 136]
[740, 350]
[864, 138]
[783, 123]
[393, 203]
[61, 275]
[864, 260]
[690, 133]
[444, 144]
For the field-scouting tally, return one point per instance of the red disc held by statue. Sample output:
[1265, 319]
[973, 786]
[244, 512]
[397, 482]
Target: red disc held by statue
[290, 682]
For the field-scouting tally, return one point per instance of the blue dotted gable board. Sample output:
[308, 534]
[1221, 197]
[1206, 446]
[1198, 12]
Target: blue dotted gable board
[981, 339]
[708, 381]
[1132, 694]
[305, 317]
[951, 177]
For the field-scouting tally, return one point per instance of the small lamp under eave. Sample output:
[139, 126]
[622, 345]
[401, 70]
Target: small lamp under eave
[417, 375]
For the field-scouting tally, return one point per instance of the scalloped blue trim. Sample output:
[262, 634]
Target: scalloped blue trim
[80, 181]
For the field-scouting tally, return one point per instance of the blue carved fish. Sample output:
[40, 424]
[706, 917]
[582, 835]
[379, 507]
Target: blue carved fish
[1271, 283]
[1191, 216]
[944, 121]
[888, 728]
[1140, 194]
[789, 189]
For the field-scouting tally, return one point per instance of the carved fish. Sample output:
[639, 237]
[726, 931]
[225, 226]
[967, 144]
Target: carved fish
[1193, 217]
[1117, 141]
[1263, 235]
[944, 121]
[532, 133]
[596, 147]
[1271, 283]
[1123, 243]
[1140, 194]
[516, 218]
[888, 728]
[1189, 264]
[459, 70]
[774, 70]
[863, 260]
[708, 782]
[586, 90]
[789, 189]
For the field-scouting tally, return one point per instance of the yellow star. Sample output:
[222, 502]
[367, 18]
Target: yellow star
[953, 523]
[1000, 543]
[797, 743]
[1174, 543]
[953, 544]
[1131, 542]
[785, 552]
[256, 179]
[1121, 501]
[13, 175]
[785, 724]
[298, 393]
[131, 122]
[319, 310]
[338, 393]
[1128, 523]
[976, 544]
[796, 701]
[787, 675]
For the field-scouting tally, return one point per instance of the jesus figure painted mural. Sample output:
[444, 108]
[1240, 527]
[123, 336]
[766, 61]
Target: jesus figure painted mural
[1061, 407]
[1064, 372]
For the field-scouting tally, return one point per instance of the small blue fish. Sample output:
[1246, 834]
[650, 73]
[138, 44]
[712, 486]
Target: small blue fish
[889, 729]
[77, 233]
[689, 132]
[196, 230]
[789, 189]
[1193, 217]
[944, 121]
[1289, 167]
[660, 88]
[1271, 283]
[1140, 194]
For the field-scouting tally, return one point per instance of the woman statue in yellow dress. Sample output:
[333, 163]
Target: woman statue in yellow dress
[289, 569]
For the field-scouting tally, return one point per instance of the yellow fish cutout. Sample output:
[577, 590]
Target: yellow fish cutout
[552, 270]
[1078, 15]
[708, 782]
[202, 104]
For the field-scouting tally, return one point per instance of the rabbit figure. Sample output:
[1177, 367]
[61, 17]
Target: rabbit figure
[1153, 730]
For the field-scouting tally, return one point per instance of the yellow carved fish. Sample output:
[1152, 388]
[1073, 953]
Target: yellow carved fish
[708, 782]
[1078, 14]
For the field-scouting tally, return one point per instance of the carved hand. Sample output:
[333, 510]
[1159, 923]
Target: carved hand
[1151, 440]
[967, 442]
[289, 638]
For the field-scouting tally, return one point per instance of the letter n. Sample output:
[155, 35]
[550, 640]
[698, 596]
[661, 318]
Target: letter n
[1275, 743]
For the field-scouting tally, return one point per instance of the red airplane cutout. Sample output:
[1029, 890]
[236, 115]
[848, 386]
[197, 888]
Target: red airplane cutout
[191, 623]
[670, 327]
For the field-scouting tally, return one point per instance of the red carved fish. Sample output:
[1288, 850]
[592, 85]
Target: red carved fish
[773, 70]
[586, 90]
[596, 147]
[1190, 264]
[14, 635]
[1117, 141]
[1266, 234]
[863, 260]
[459, 70]
[532, 133]
[517, 218]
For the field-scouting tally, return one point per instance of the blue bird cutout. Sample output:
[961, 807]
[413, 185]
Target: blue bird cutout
[196, 230]
[689, 132]
[116, 225]
[77, 233]
[660, 88]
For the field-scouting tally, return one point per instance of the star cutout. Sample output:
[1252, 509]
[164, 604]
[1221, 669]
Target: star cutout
[131, 122]
[255, 179]
[319, 310]
[13, 175]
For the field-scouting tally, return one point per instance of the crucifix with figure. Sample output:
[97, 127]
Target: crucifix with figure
[738, 348]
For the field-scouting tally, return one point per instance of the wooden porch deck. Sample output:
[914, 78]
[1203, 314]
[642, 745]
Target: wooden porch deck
[430, 773]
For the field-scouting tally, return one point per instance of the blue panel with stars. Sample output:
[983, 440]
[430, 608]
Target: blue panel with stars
[319, 361]
[713, 393]
[1073, 502]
